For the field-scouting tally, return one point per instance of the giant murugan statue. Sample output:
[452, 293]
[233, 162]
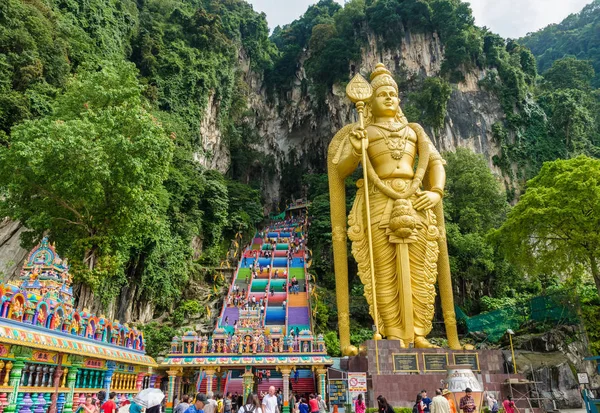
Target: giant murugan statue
[396, 224]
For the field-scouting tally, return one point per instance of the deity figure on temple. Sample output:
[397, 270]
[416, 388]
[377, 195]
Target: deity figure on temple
[397, 226]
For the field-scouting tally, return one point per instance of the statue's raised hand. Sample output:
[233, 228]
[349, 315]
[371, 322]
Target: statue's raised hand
[356, 137]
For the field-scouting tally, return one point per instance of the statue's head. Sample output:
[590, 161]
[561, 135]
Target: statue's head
[385, 101]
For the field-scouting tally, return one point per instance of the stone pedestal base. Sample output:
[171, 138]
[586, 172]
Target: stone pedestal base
[400, 387]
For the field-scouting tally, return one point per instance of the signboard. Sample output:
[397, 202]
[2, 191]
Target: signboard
[357, 382]
[337, 392]
[93, 364]
[470, 359]
[583, 378]
[406, 362]
[45, 357]
[435, 362]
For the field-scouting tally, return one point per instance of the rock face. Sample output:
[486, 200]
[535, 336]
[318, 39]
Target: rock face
[11, 253]
[556, 358]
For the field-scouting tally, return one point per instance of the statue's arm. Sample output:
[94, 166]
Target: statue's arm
[436, 171]
[348, 160]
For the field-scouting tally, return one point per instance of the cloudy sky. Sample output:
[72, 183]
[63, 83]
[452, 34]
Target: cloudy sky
[509, 18]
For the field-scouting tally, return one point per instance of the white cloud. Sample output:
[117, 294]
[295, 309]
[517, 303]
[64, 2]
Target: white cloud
[509, 18]
[516, 18]
[280, 12]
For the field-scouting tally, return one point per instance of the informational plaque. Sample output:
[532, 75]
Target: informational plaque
[471, 359]
[435, 361]
[406, 362]
[337, 392]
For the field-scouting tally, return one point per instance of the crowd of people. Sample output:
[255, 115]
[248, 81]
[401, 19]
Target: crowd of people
[442, 402]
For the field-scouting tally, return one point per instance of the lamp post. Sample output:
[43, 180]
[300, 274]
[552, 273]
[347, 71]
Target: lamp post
[512, 350]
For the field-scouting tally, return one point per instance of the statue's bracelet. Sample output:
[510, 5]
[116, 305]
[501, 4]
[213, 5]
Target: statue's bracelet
[439, 191]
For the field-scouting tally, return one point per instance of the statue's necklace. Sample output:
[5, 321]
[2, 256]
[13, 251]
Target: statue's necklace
[396, 141]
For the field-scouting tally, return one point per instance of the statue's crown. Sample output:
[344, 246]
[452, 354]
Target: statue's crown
[382, 77]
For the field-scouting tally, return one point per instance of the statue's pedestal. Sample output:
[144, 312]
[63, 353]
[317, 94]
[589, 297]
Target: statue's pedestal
[400, 374]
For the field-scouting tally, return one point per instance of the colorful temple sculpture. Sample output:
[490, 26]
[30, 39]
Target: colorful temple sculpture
[51, 354]
[264, 334]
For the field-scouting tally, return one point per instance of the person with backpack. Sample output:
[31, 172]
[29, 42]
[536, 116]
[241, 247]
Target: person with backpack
[252, 405]
[439, 404]
[419, 406]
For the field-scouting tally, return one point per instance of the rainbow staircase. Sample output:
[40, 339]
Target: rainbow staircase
[282, 308]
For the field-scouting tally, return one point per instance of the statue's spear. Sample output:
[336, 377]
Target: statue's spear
[359, 91]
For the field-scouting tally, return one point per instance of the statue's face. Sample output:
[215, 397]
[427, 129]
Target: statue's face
[385, 102]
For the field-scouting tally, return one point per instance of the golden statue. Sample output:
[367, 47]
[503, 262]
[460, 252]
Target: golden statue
[396, 224]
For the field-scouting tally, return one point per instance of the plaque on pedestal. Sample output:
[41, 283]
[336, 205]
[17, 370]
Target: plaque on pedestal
[471, 359]
[435, 361]
[406, 362]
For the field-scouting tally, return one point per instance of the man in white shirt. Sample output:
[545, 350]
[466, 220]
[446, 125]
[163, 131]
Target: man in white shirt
[439, 404]
[211, 403]
[269, 402]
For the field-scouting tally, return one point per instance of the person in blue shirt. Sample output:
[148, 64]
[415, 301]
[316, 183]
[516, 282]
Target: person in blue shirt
[135, 408]
[426, 401]
[198, 406]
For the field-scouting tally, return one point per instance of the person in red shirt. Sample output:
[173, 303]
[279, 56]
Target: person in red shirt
[110, 406]
[313, 404]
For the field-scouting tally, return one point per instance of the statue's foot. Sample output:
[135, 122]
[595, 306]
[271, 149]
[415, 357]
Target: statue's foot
[422, 342]
[350, 351]
[402, 343]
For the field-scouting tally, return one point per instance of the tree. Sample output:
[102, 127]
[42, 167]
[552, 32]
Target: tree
[570, 73]
[475, 203]
[555, 226]
[91, 174]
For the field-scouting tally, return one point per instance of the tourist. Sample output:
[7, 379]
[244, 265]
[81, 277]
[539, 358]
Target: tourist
[426, 400]
[303, 407]
[467, 403]
[359, 404]
[110, 406]
[226, 321]
[198, 406]
[439, 404]
[296, 376]
[448, 395]
[279, 400]
[509, 405]
[313, 404]
[100, 398]
[268, 374]
[323, 405]
[181, 407]
[292, 403]
[419, 406]
[252, 405]
[211, 404]
[269, 402]
[492, 402]
[283, 304]
[89, 406]
[227, 403]
[383, 406]
[272, 291]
